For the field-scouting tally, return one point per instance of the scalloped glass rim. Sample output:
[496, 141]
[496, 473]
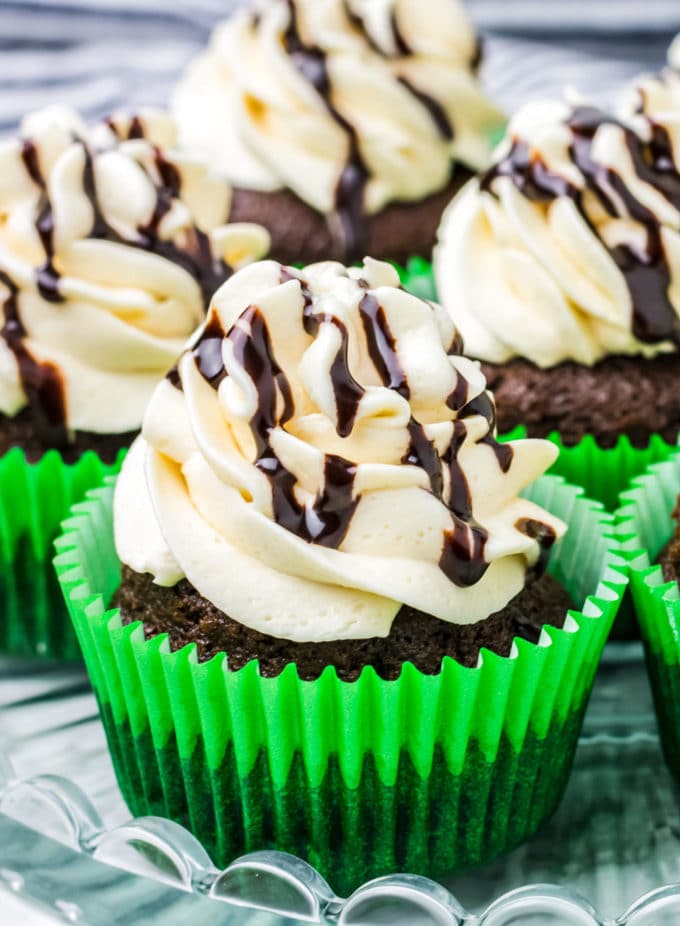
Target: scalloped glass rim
[281, 885]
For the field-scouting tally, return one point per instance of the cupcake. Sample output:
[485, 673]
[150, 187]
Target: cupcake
[649, 525]
[560, 266]
[331, 631]
[110, 245]
[345, 126]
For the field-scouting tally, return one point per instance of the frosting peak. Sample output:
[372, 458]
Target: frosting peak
[324, 454]
[370, 99]
[110, 246]
[568, 248]
[655, 94]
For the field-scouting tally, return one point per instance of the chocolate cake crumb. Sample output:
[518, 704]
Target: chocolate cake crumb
[419, 638]
[299, 234]
[619, 395]
[20, 432]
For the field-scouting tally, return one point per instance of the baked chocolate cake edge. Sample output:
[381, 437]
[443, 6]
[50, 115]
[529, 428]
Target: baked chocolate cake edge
[419, 638]
[634, 396]
[299, 234]
[19, 431]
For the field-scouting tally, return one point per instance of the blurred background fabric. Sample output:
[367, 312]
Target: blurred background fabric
[101, 55]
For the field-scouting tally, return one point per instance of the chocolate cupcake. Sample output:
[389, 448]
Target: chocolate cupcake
[319, 507]
[109, 247]
[345, 126]
[560, 265]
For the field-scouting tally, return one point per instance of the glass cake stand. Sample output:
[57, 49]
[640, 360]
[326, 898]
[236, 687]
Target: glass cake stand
[611, 853]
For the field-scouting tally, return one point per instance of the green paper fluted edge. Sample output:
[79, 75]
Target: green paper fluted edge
[644, 525]
[603, 472]
[34, 499]
[221, 750]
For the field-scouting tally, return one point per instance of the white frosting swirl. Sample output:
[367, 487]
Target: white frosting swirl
[569, 247]
[329, 457]
[106, 243]
[276, 98]
[655, 94]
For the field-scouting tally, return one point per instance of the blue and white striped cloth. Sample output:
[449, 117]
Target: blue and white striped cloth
[99, 55]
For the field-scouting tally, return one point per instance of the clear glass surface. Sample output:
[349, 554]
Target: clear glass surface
[611, 853]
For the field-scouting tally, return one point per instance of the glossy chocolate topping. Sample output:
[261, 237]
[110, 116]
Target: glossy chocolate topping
[349, 195]
[42, 383]
[645, 269]
[327, 520]
[311, 62]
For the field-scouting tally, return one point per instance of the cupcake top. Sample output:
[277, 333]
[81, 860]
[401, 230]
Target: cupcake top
[653, 94]
[109, 248]
[351, 104]
[568, 248]
[322, 455]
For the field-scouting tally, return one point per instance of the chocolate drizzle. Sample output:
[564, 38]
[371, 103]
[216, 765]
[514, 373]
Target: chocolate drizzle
[325, 518]
[434, 108]
[41, 381]
[483, 405]
[47, 277]
[646, 270]
[422, 452]
[348, 392]
[400, 43]
[194, 254]
[545, 535]
[208, 354]
[29, 155]
[135, 128]
[311, 62]
[462, 557]
[459, 396]
[382, 346]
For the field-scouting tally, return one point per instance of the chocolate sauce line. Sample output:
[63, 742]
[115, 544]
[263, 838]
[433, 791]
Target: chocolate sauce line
[545, 535]
[382, 346]
[435, 109]
[645, 270]
[422, 453]
[311, 62]
[483, 405]
[42, 382]
[135, 129]
[327, 520]
[347, 391]
[459, 396]
[462, 558]
[208, 355]
[399, 41]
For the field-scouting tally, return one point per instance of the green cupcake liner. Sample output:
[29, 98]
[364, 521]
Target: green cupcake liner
[427, 774]
[603, 473]
[645, 526]
[34, 499]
